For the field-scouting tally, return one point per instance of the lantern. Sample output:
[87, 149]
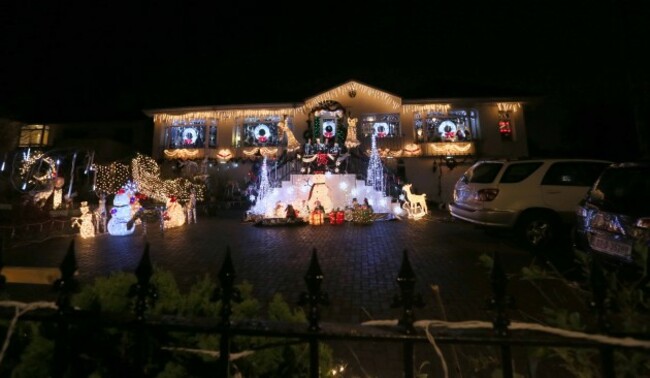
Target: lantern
[316, 218]
[332, 216]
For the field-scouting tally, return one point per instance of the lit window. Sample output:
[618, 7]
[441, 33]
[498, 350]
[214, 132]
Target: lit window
[258, 132]
[191, 134]
[453, 126]
[382, 125]
[34, 136]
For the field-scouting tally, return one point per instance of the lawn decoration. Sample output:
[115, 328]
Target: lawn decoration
[84, 222]
[415, 204]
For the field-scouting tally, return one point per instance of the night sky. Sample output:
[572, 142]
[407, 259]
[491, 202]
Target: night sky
[81, 60]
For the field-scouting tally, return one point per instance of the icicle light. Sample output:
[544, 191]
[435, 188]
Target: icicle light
[352, 87]
[425, 108]
[222, 114]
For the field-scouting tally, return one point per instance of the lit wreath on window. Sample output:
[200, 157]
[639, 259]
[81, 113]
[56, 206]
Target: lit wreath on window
[189, 135]
[262, 133]
[329, 129]
[447, 130]
[381, 129]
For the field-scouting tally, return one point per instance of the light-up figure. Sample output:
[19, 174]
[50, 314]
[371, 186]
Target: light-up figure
[84, 222]
[121, 214]
[174, 215]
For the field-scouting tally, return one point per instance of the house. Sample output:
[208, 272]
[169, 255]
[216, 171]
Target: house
[428, 141]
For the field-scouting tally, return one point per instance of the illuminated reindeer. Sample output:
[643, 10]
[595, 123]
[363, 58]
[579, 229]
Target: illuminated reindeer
[415, 200]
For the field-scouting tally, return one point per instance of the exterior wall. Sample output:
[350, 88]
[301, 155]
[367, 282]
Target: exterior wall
[436, 183]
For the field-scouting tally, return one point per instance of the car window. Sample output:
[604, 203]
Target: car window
[623, 190]
[517, 172]
[482, 173]
[573, 173]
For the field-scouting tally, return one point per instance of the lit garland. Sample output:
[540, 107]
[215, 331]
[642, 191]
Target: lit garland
[425, 108]
[251, 151]
[412, 149]
[224, 154]
[451, 148]
[183, 154]
[268, 152]
[508, 106]
[346, 88]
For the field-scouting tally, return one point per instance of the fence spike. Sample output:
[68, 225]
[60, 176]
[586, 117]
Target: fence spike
[500, 300]
[407, 298]
[315, 296]
[144, 291]
[67, 284]
[227, 293]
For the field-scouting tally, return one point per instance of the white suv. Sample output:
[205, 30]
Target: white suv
[533, 197]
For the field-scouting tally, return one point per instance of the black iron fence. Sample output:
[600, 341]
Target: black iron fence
[405, 331]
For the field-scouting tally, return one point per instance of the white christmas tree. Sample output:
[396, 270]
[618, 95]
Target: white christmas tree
[262, 191]
[375, 176]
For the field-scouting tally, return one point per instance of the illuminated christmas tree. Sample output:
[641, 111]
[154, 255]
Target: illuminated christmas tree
[375, 176]
[265, 187]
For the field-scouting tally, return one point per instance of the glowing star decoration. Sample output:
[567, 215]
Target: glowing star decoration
[120, 223]
[174, 215]
[84, 222]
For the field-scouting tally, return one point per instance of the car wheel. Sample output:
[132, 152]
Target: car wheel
[537, 230]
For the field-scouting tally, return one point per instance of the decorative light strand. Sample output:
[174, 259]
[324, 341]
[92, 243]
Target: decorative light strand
[508, 106]
[166, 118]
[375, 176]
[394, 101]
[436, 108]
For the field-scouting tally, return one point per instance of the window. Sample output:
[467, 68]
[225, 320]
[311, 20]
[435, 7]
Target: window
[519, 172]
[573, 173]
[191, 134]
[483, 173]
[453, 126]
[382, 125]
[34, 136]
[258, 132]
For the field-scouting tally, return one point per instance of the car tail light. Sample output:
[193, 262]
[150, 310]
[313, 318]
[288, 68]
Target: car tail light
[487, 194]
[643, 223]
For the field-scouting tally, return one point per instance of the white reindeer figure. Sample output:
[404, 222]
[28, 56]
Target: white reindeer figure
[415, 199]
[101, 215]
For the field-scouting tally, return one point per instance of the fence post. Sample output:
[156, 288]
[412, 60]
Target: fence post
[313, 298]
[407, 299]
[601, 303]
[227, 294]
[145, 294]
[65, 286]
[500, 302]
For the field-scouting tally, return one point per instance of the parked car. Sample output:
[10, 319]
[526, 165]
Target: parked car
[613, 220]
[533, 197]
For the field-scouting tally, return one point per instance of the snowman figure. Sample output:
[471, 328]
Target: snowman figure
[121, 214]
[321, 193]
[84, 222]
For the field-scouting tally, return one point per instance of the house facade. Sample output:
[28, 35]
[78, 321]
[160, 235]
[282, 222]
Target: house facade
[428, 141]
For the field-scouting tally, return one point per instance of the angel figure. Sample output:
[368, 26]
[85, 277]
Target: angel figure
[292, 142]
[351, 140]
